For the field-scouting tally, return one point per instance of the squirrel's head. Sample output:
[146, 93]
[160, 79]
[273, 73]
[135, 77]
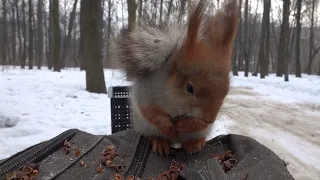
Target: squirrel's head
[200, 74]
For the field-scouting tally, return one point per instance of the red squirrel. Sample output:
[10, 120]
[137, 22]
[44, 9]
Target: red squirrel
[180, 75]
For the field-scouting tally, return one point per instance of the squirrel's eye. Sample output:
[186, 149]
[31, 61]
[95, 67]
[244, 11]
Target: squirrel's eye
[189, 88]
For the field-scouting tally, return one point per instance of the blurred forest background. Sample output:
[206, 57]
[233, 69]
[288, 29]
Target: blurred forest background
[278, 36]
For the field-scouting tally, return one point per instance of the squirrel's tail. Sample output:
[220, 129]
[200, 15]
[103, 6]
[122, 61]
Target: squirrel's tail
[146, 48]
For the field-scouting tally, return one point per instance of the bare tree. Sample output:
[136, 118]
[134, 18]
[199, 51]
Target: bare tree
[263, 52]
[82, 27]
[239, 40]
[182, 9]
[298, 34]
[24, 31]
[4, 33]
[39, 34]
[109, 26]
[161, 9]
[30, 50]
[18, 31]
[132, 6]
[56, 35]
[283, 43]
[13, 32]
[312, 49]
[169, 10]
[285, 30]
[50, 37]
[245, 49]
[67, 41]
[92, 40]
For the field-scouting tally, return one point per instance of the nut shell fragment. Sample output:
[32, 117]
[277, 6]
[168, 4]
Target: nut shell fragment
[20, 174]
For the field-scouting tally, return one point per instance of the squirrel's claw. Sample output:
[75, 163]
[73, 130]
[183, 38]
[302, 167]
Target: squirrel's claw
[194, 146]
[160, 146]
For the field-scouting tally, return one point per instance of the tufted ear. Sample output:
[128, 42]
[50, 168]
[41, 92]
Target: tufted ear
[194, 23]
[221, 30]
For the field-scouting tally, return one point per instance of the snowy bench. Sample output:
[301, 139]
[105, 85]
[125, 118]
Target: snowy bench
[120, 108]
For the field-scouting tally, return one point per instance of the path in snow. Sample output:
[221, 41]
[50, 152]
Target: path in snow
[290, 130]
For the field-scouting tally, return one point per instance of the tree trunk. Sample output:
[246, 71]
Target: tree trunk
[283, 43]
[30, 14]
[4, 33]
[239, 48]
[132, 6]
[182, 9]
[19, 32]
[139, 11]
[24, 30]
[298, 34]
[50, 37]
[14, 38]
[40, 34]
[56, 36]
[285, 27]
[76, 63]
[67, 41]
[161, 9]
[169, 10]
[109, 29]
[93, 44]
[246, 57]
[311, 40]
[82, 27]
[263, 40]
[234, 59]
[267, 46]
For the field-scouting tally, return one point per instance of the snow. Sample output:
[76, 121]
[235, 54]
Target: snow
[36, 105]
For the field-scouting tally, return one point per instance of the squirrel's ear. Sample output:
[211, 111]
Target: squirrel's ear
[194, 23]
[223, 27]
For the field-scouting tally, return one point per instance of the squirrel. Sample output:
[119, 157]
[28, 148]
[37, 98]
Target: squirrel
[180, 75]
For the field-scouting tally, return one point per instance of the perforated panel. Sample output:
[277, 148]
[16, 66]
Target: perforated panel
[120, 109]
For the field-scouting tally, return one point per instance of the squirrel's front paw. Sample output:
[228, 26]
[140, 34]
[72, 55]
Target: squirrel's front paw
[194, 146]
[166, 126]
[160, 146]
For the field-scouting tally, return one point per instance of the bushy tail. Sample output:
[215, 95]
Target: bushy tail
[146, 48]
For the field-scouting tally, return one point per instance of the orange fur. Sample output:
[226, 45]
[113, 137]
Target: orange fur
[205, 62]
[156, 116]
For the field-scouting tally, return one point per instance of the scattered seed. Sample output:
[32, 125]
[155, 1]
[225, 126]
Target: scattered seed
[11, 176]
[67, 144]
[109, 147]
[27, 170]
[20, 174]
[110, 164]
[245, 176]
[66, 150]
[34, 174]
[99, 169]
[82, 163]
[119, 168]
[131, 177]
[117, 176]
[77, 153]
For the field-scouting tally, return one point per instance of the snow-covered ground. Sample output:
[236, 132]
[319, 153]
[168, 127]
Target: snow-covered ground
[36, 105]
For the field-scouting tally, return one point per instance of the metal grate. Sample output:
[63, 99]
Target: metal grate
[120, 108]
